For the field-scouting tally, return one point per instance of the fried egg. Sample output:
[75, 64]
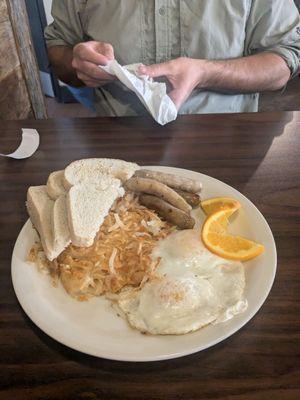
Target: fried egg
[191, 288]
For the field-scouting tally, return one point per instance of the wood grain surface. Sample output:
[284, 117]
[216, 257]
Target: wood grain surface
[20, 24]
[258, 154]
[13, 89]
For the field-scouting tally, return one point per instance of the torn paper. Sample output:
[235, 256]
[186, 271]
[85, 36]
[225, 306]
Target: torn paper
[28, 146]
[152, 94]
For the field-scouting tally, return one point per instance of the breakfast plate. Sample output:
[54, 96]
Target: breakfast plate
[93, 327]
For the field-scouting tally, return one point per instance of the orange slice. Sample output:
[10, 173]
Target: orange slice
[219, 241]
[210, 206]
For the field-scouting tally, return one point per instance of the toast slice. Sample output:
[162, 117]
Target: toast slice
[87, 206]
[88, 171]
[55, 187]
[60, 227]
[40, 209]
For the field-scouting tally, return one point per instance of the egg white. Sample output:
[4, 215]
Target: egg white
[191, 289]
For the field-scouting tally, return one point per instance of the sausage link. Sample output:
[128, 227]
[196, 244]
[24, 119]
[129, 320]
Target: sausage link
[167, 211]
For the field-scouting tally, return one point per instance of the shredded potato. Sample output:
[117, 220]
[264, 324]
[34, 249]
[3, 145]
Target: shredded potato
[120, 254]
[36, 255]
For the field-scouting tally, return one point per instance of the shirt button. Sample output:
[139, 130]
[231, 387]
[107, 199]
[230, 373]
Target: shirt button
[162, 11]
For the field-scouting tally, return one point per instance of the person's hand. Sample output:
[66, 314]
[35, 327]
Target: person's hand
[184, 74]
[86, 60]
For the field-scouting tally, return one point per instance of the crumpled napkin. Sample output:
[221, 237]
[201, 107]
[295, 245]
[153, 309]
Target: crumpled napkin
[28, 146]
[152, 94]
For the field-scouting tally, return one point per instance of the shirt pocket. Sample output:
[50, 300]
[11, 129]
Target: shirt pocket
[211, 30]
[117, 22]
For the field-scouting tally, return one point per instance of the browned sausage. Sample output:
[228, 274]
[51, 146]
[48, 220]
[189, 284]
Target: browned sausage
[167, 211]
[193, 199]
[151, 186]
[174, 181]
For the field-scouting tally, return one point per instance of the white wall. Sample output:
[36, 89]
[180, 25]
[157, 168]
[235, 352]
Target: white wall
[47, 5]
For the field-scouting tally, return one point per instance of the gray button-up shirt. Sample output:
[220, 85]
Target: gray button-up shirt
[154, 31]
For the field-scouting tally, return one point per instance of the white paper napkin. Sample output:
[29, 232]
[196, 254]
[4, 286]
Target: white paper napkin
[28, 146]
[152, 94]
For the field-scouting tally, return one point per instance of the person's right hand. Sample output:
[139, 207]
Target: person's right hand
[86, 60]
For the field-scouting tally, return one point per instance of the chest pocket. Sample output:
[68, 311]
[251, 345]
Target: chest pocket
[117, 22]
[213, 29]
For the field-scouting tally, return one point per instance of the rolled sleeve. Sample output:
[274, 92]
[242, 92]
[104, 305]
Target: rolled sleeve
[66, 29]
[274, 26]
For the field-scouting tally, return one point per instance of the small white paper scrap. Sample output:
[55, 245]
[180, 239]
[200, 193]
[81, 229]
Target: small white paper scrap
[152, 94]
[28, 146]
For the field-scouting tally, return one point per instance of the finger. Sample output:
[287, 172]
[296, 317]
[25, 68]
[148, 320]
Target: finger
[87, 53]
[86, 79]
[92, 71]
[106, 49]
[94, 84]
[104, 78]
[156, 70]
[178, 97]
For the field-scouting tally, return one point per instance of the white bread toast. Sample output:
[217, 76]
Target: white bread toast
[40, 209]
[50, 220]
[55, 187]
[60, 226]
[89, 170]
[87, 206]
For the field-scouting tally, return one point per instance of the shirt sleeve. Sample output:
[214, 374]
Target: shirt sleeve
[274, 26]
[66, 29]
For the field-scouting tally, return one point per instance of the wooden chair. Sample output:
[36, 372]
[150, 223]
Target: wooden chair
[21, 94]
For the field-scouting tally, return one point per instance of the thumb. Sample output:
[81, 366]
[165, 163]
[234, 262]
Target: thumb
[106, 49]
[155, 70]
[178, 96]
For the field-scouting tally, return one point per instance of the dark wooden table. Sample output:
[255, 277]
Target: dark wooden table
[259, 154]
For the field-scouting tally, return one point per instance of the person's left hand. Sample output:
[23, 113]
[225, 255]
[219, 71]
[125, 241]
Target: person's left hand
[183, 73]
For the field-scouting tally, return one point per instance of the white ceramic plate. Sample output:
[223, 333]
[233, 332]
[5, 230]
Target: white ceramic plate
[94, 328]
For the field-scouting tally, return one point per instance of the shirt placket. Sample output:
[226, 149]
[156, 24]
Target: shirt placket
[162, 30]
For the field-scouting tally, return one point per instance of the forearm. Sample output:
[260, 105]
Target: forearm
[257, 73]
[61, 61]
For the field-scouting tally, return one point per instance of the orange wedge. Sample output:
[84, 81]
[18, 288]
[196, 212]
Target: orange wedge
[210, 206]
[219, 241]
